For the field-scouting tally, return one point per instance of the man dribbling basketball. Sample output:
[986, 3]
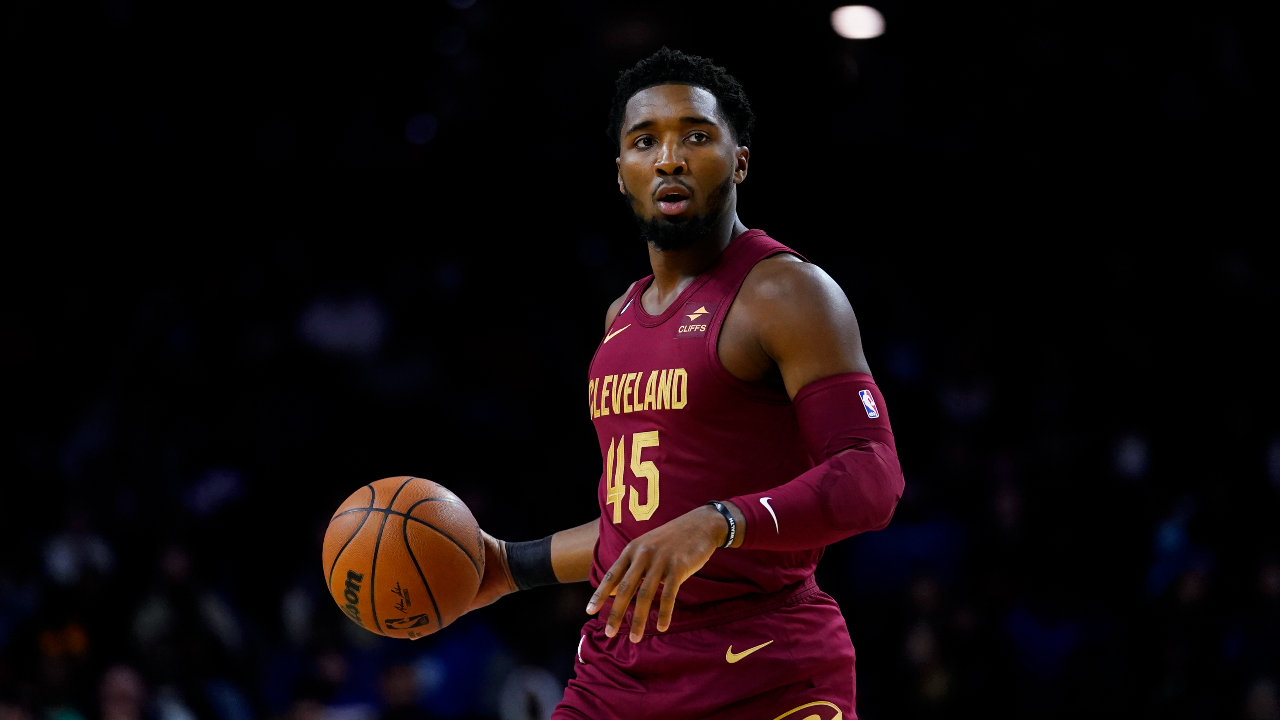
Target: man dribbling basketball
[741, 433]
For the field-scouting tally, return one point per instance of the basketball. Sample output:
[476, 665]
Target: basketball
[403, 557]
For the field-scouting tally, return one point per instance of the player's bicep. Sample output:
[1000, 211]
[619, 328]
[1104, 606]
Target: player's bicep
[806, 324]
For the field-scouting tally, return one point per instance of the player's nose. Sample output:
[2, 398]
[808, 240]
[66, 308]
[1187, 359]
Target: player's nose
[670, 161]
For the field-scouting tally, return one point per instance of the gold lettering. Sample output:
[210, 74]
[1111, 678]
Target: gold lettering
[613, 479]
[608, 472]
[604, 394]
[679, 389]
[645, 469]
[626, 392]
[663, 390]
[616, 395]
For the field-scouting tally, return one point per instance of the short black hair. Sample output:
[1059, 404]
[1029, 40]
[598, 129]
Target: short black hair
[676, 68]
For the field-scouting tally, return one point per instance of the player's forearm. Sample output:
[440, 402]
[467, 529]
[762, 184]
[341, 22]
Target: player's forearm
[559, 558]
[571, 552]
[853, 492]
[856, 484]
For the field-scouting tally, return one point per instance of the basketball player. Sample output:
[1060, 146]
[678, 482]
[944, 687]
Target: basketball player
[741, 433]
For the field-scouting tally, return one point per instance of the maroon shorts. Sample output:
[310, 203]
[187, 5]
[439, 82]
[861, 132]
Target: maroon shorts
[771, 657]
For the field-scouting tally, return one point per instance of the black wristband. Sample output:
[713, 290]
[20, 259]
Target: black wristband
[530, 563]
[728, 516]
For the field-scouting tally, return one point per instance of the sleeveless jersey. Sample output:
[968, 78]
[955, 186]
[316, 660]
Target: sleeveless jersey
[677, 430]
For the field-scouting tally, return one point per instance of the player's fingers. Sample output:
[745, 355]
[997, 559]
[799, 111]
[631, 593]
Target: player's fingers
[644, 598]
[626, 588]
[666, 606]
[609, 583]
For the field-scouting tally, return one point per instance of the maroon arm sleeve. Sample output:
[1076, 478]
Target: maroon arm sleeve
[855, 484]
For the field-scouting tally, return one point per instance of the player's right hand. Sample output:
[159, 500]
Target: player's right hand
[497, 576]
[655, 565]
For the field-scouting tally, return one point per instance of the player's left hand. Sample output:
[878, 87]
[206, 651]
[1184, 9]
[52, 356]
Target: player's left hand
[663, 557]
[497, 576]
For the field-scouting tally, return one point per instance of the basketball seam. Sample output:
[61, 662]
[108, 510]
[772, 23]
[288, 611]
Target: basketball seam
[431, 499]
[421, 522]
[373, 567]
[427, 585]
[373, 494]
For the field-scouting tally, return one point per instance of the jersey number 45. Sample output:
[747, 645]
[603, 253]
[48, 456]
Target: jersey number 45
[614, 469]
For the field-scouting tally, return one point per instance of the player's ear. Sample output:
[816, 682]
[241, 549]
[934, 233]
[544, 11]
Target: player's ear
[622, 187]
[741, 156]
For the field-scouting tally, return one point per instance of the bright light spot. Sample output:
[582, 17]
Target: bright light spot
[857, 22]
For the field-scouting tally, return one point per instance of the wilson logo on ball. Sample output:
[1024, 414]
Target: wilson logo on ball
[399, 558]
[352, 594]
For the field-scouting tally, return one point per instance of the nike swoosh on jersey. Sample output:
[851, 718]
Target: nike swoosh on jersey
[609, 337]
[765, 502]
[733, 657]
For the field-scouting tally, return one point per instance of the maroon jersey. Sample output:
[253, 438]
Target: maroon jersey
[677, 430]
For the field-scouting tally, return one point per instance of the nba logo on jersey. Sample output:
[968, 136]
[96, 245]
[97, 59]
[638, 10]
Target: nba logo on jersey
[869, 403]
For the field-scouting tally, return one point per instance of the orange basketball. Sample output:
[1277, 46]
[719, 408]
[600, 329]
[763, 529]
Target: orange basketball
[403, 557]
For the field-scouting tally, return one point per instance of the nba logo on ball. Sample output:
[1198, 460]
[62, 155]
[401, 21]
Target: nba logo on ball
[869, 403]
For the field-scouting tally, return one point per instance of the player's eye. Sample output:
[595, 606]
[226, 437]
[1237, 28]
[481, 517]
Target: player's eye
[644, 141]
[699, 136]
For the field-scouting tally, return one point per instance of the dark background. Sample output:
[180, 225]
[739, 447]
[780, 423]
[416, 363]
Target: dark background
[275, 251]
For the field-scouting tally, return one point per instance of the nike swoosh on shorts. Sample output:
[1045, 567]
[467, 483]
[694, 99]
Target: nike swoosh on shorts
[733, 657]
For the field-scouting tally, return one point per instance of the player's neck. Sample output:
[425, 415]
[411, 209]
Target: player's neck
[673, 270]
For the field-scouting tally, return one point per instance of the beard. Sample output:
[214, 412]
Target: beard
[676, 233]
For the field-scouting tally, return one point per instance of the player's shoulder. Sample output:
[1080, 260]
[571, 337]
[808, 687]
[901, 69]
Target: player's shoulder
[615, 307]
[785, 280]
[798, 312]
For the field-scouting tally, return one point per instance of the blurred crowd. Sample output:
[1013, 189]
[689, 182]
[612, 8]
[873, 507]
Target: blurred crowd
[179, 650]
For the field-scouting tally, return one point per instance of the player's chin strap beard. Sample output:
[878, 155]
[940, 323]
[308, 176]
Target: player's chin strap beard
[667, 234]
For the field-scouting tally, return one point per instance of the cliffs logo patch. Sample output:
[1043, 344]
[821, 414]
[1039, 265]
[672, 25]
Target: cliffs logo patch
[694, 319]
[869, 404]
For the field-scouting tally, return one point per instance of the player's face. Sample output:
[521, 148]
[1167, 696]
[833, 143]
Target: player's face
[677, 150]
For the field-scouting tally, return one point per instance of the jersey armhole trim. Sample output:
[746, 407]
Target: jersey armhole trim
[637, 287]
[718, 369]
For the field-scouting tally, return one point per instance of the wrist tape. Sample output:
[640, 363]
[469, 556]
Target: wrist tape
[530, 563]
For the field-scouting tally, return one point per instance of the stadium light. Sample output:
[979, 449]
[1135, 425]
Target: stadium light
[857, 22]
